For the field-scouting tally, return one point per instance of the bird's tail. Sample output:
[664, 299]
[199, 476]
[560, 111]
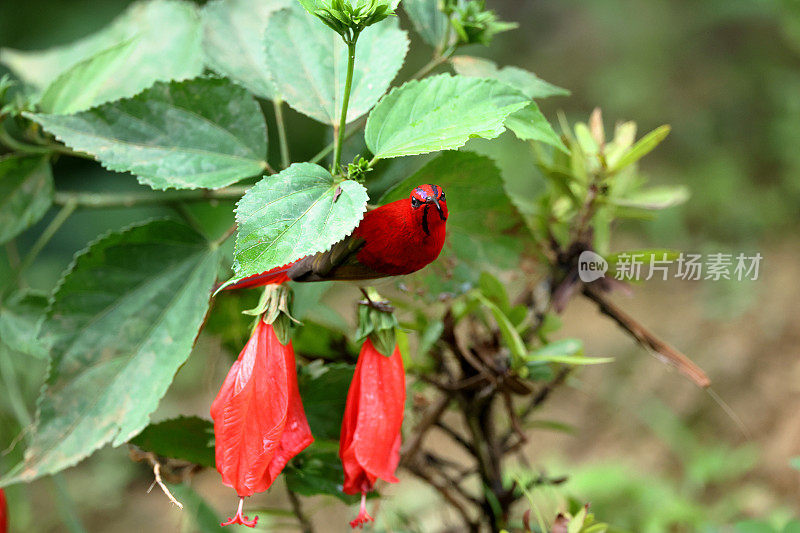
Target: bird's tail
[276, 276]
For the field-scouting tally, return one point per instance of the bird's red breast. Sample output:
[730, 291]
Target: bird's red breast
[398, 238]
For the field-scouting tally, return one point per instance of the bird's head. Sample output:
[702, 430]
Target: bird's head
[428, 204]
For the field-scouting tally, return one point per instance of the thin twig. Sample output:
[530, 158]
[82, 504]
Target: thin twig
[453, 434]
[444, 491]
[297, 508]
[99, 200]
[157, 481]
[410, 449]
[649, 340]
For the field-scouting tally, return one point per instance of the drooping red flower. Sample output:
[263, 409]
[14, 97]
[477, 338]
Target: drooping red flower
[3, 513]
[369, 446]
[259, 422]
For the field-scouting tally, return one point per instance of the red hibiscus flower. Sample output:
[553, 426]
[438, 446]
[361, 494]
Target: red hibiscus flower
[370, 441]
[3, 513]
[259, 422]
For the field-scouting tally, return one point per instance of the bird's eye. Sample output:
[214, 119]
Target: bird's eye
[415, 203]
[441, 198]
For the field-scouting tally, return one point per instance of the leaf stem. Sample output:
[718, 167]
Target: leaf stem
[48, 233]
[99, 200]
[277, 104]
[348, 84]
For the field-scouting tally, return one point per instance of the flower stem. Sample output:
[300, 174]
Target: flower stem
[348, 84]
[277, 104]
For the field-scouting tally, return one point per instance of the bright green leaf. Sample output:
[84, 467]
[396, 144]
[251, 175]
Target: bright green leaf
[529, 124]
[480, 214]
[123, 320]
[571, 360]
[21, 318]
[168, 46]
[507, 330]
[560, 347]
[642, 147]
[309, 64]
[439, 113]
[26, 192]
[189, 438]
[528, 83]
[429, 22]
[197, 133]
[96, 80]
[292, 214]
[233, 41]
[654, 198]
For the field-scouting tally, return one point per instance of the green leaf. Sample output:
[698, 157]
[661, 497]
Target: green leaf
[480, 212]
[233, 41]
[560, 347]
[429, 22]
[642, 147]
[123, 320]
[324, 392]
[654, 198]
[298, 212]
[439, 113]
[26, 192]
[168, 46]
[189, 438]
[21, 318]
[191, 134]
[204, 517]
[318, 470]
[526, 82]
[572, 360]
[96, 80]
[509, 333]
[529, 124]
[309, 64]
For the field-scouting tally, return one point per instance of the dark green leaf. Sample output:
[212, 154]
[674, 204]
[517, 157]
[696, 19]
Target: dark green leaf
[528, 83]
[168, 46]
[233, 41]
[324, 392]
[26, 192]
[21, 318]
[480, 212]
[439, 113]
[428, 20]
[197, 133]
[293, 214]
[123, 320]
[309, 64]
[318, 470]
[189, 438]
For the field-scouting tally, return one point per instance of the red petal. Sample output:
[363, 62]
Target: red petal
[370, 442]
[296, 433]
[3, 513]
[250, 413]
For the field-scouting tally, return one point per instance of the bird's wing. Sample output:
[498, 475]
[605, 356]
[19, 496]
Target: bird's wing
[338, 263]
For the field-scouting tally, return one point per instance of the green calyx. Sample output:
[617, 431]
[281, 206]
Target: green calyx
[274, 308]
[473, 23]
[377, 324]
[348, 18]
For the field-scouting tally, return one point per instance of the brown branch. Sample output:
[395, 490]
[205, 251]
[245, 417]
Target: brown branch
[157, 481]
[444, 491]
[453, 434]
[649, 340]
[410, 449]
[297, 508]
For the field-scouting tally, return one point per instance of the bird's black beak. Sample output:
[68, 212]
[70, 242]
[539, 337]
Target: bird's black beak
[435, 202]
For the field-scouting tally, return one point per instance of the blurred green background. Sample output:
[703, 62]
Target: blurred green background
[648, 450]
